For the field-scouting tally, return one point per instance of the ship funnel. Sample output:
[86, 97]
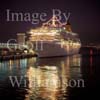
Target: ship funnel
[68, 26]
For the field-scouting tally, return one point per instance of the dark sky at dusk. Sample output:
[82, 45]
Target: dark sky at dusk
[85, 16]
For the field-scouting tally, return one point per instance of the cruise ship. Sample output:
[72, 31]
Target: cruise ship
[54, 38]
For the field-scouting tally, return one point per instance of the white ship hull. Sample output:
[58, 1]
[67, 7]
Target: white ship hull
[53, 49]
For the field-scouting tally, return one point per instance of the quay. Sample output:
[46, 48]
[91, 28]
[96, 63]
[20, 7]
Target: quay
[90, 50]
[20, 56]
[13, 52]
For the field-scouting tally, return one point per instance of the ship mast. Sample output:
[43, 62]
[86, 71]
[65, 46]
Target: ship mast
[53, 22]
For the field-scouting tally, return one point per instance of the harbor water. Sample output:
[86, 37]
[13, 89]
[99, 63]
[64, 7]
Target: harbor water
[60, 78]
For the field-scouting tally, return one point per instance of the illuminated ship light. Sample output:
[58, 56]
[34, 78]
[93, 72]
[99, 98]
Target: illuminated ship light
[58, 33]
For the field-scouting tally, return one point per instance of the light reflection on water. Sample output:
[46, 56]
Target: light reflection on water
[47, 78]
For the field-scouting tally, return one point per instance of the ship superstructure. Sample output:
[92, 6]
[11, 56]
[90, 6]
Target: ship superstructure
[54, 38]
